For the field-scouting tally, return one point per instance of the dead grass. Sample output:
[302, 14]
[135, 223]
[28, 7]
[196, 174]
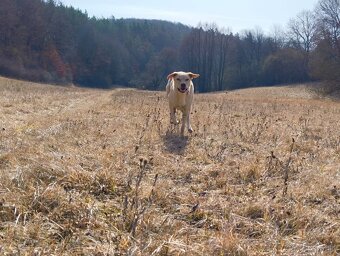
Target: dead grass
[90, 172]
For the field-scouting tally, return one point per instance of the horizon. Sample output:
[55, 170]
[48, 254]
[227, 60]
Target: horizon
[262, 14]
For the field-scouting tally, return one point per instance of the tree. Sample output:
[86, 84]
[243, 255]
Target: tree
[278, 35]
[302, 30]
[328, 14]
[325, 62]
[284, 66]
[159, 67]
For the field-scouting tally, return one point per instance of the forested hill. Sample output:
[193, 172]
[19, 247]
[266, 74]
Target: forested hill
[47, 41]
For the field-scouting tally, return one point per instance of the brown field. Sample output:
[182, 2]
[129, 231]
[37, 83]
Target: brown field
[100, 172]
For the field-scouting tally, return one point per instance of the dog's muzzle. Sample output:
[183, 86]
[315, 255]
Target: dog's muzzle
[182, 91]
[183, 88]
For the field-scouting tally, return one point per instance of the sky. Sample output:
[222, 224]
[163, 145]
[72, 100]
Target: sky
[236, 15]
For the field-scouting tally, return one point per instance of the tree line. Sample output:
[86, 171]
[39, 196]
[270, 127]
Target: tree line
[307, 50]
[48, 41]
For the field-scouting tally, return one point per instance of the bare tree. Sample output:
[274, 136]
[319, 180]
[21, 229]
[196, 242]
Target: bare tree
[278, 35]
[302, 30]
[326, 57]
[328, 15]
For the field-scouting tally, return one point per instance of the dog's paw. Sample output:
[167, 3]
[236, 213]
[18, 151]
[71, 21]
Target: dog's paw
[175, 122]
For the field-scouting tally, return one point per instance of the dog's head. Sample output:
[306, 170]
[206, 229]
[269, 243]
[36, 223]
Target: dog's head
[182, 80]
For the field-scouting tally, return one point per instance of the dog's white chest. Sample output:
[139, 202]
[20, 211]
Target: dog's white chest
[181, 100]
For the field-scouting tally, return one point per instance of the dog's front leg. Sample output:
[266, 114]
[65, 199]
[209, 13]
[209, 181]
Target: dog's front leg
[188, 122]
[188, 110]
[173, 119]
[184, 120]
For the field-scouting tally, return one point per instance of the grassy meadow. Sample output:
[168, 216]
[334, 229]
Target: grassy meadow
[101, 172]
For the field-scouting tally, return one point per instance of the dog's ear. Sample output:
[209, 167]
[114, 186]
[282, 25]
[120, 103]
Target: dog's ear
[192, 75]
[172, 75]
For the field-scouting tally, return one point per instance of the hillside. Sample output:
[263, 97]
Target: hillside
[47, 41]
[85, 171]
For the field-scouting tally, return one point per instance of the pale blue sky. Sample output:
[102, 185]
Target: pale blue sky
[234, 14]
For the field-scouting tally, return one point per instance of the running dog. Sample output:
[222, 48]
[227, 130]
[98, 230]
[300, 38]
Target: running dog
[180, 92]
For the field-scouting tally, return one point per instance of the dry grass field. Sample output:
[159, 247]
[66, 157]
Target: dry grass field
[101, 172]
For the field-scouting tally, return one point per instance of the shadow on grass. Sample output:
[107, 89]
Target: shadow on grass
[174, 142]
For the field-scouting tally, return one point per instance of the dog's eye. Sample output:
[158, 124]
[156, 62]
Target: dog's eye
[187, 79]
[178, 79]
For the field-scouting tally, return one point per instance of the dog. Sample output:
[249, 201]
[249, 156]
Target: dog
[180, 92]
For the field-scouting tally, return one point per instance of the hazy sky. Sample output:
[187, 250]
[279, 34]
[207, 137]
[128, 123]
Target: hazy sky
[234, 14]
